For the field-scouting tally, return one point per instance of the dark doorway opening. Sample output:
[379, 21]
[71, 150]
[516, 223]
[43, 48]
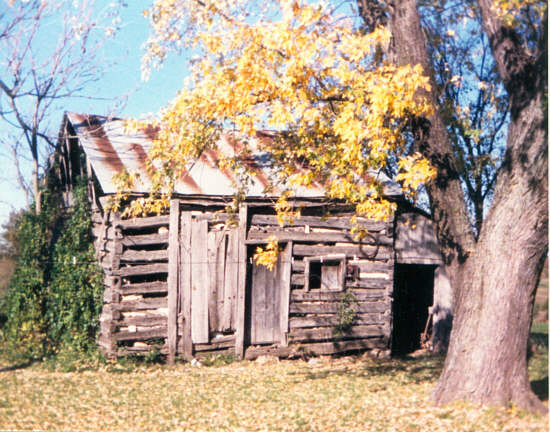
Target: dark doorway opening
[413, 295]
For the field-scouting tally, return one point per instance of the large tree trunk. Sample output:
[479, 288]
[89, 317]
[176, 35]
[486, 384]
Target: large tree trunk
[486, 361]
[493, 306]
[493, 280]
[447, 199]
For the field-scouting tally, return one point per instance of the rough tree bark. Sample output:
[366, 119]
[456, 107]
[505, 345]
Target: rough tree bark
[447, 200]
[494, 279]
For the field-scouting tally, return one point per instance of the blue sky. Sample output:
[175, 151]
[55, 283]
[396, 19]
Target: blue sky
[121, 83]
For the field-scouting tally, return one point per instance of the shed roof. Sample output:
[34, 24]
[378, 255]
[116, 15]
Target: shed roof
[110, 148]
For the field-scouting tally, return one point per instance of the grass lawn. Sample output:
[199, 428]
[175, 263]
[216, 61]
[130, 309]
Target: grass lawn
[345, 394]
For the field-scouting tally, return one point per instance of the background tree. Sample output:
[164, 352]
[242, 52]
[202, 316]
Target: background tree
[9, 249]
[49, 53]
[472, 100]
[341, 98]
[9, 246]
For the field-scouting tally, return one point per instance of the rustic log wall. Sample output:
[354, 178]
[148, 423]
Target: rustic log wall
[315, 315]
[207, 274]
[134, 257]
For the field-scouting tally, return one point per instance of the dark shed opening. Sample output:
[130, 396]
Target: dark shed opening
[413, 295]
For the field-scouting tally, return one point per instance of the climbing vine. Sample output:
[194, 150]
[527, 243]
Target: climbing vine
[54, 298]
[346, 313]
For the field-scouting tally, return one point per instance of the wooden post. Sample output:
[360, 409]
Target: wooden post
[241, 288]
[285, 274]
[111, 296]
[173, 277]
[185, 285]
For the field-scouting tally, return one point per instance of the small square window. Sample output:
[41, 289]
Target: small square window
[326, 273]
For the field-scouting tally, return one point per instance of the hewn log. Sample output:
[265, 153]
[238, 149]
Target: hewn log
[216, 344]
[332, 320]
[141, 304]
[371, 252]
[321, 222]
[146, 320]
[141, 334]
[145, 222]
[144, 256]
[216, 217]
[145, 288]
[328, 333]
[298, 296]
[143, 269]
[316, 237]
[145, 239]
[370, 283]
[327, 308]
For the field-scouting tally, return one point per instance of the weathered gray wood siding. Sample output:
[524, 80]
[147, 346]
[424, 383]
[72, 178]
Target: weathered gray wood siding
[189, 300]
[137, 307]
[134, 257]
[314, 313]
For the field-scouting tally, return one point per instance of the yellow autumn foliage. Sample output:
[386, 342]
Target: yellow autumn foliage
[512, 12]
[294, 67]
[268, 255]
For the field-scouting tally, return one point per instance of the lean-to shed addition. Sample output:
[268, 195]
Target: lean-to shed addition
[185, 282]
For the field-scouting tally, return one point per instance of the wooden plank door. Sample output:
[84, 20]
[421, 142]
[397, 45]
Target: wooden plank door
[270, 301]
[265, 305]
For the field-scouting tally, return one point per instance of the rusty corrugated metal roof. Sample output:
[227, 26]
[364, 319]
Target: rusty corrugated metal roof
[110, 148]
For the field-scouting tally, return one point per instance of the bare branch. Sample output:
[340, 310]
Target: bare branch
[38, 68]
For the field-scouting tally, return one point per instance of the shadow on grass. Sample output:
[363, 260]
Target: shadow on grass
[17, 366]
[418, 370]
[540, 388]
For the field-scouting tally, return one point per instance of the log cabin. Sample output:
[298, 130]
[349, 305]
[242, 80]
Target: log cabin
[184, 283]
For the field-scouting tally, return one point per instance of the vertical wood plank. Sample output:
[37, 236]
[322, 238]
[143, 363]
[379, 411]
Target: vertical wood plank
[199, 281]
[173, 278]
[258, 304]
[241, 286]
[220, 276]
[231, 281]
[185, 285]
[269, 307]
[212, 253]
[284, 280]
[235, 282]
[275, 312]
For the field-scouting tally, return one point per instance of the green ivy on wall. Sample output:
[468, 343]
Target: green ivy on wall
[54, 298]
[75, 290]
